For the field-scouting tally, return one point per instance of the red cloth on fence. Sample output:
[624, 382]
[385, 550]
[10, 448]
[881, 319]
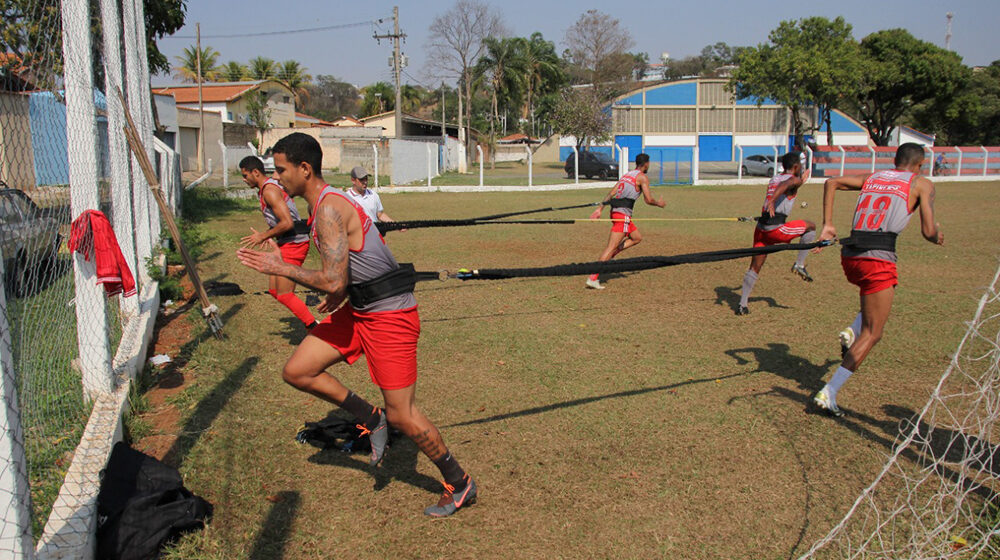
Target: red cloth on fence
[91, 235]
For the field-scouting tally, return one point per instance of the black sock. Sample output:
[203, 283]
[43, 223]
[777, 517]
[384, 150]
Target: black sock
[451, 471]
[364, 411]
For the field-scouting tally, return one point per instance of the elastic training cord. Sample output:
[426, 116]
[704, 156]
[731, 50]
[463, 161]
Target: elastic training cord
[385, 227]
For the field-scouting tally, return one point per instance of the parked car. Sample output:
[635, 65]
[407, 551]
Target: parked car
[29, 241]
[593, 164]
[759, 165]
[267, 158]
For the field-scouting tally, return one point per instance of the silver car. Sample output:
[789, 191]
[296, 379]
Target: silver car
[759, 165]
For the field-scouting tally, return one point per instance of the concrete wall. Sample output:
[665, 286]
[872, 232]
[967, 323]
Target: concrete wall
[187, 119]
[332, 139]
[409, 160]
[17, 160]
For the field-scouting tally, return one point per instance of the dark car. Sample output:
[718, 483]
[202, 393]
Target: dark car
[593, 164]
[29, 242]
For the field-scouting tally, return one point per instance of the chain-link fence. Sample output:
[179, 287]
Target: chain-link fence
[67, 347]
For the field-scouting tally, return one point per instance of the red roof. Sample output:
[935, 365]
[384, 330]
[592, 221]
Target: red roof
[518, 137]
[210, 93]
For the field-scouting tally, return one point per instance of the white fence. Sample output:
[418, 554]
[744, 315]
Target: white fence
[68, 352]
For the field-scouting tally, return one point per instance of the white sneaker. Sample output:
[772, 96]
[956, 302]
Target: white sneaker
[846, 337]
[823, 401]
[594, 284]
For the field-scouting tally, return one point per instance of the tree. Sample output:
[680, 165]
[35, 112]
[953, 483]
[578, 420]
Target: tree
[596, 44]
[504, 68]
[233, 71]
[262, 68]
[188, 64]
[581, 113]
[902, 71]
[456, 43]
[544, 73]
[330, 98]
[293, 74]
[162, 17]
[807, 63]
[971, 117]
[377, 99]
[258, 113]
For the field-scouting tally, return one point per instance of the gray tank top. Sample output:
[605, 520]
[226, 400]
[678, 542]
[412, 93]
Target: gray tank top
[782, 205]
[627, 187]
[371, 261]
[884, 205]
[272, 219]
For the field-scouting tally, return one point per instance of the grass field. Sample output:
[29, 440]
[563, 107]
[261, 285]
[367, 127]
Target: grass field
[642, 421]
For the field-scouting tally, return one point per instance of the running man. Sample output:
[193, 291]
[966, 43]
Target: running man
[366, 198]
[772, 228]
[384, 328]
[280, 214]
[621, 198]
[887, 202]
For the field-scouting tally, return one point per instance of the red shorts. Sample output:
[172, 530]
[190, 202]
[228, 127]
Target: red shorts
[622, 223]
[388, 339]
[783, 234]
[871, 275]
[294, 253]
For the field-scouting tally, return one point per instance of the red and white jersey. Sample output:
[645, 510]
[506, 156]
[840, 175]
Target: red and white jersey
[272, 219]
[782, 205]
[884, 205]
[372, 260]
[627, 188]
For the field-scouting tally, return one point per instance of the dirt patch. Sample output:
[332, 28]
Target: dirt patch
[172, 332]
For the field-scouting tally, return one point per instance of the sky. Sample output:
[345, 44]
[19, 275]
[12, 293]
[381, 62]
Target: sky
[679, 28]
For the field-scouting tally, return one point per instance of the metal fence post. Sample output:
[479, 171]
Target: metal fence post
[480, 150]
[15, 525]
[81, 129]
[958, 169]
[375, 149]
[528, 148]
[873, 158]
[429, 164]
[986, 158]
[621, 161]
[739, 166]
[225, 165]
[694, 165]
[774, 168]
[576, 165]
[843, 158]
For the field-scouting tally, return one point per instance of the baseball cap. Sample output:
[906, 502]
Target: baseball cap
[359, 173]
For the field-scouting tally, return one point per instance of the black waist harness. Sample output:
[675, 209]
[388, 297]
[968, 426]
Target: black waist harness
[300, 227]
[871, 241]
[622, 203]
[399, 281]
[776, 220]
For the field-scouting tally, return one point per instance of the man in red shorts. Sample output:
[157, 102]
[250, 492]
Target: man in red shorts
[772, 228]
[379, 320]
[280, 214]
[887, 202]
[622, 198]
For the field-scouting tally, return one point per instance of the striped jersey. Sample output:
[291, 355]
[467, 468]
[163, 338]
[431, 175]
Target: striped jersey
[782, 205]
[372, 260]
[272, 220]
[884, 205]
[627, 188]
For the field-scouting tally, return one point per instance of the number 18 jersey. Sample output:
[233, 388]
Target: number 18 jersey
[884, 205]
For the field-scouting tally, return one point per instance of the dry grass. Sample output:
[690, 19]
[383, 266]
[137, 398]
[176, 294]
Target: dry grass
[646, 420]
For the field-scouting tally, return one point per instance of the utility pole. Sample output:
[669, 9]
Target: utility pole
[201, 108]
[397, 66]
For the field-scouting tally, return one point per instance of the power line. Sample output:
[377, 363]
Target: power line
[264, 33]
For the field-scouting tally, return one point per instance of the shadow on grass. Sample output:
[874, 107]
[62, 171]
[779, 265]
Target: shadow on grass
[171, 375]
[399, 462]
[292, 328]
[273, 536]
[777, 359]
[724, 295]
[561, 310]
[207, 410]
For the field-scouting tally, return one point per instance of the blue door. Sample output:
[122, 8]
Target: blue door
[715, 148]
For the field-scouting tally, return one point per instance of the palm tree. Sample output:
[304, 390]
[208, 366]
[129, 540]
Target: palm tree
[545, 73]
[378, 98]
[188, 69]
[293, 74]
[262, 68]
[233, 71]
[504, 68]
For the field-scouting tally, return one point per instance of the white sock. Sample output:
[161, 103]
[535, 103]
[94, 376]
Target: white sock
[839, 377]
[749, 279]
[856, 325]
[807, 237]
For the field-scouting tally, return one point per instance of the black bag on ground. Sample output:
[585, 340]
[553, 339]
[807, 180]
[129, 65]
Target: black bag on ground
[142, 506]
